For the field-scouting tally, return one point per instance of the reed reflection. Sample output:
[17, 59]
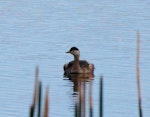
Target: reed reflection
[83, 87]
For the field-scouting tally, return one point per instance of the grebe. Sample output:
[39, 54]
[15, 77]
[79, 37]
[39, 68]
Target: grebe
[77, 66]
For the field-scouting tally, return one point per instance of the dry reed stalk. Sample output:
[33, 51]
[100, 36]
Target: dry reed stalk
[138, 73]
[32, 108]
[46, 108]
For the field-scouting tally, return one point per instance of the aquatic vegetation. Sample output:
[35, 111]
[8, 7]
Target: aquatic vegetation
[37, 98]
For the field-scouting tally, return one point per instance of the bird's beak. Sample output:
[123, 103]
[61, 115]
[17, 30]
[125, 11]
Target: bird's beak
[68, 52]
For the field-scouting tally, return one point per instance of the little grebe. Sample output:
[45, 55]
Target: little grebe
[77, 66]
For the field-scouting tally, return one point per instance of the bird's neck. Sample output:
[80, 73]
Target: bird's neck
[76, 60]
[76, 66]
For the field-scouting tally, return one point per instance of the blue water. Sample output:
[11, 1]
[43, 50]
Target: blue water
[38, 33]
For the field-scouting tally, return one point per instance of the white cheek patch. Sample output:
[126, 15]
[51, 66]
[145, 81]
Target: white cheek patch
[76, 52]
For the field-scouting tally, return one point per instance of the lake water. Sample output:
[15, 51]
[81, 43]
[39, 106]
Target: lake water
[38, 33]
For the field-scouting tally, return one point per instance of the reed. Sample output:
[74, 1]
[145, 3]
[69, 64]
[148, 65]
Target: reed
[138, 74]
[32, 111]
[32, 108]
[39, 99]
[46, 107]
[101, 97]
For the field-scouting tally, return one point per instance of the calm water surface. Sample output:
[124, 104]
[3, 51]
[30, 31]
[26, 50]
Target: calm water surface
[36, 32]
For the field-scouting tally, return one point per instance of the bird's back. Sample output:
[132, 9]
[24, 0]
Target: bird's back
[84, 65]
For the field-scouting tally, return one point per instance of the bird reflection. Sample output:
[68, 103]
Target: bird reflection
[82, 87]
[79, 80]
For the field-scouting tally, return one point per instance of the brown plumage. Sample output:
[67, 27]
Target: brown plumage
[77, 66]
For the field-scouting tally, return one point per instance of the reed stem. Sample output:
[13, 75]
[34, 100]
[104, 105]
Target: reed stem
[39, 99]
[138, 74]
[32, 108]
[46, 107]
[101, 97]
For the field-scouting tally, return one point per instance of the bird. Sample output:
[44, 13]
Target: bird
[77, 66]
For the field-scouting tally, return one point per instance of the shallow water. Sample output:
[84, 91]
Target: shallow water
[38, 33]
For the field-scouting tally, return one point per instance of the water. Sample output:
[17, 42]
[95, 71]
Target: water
[40, 32]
